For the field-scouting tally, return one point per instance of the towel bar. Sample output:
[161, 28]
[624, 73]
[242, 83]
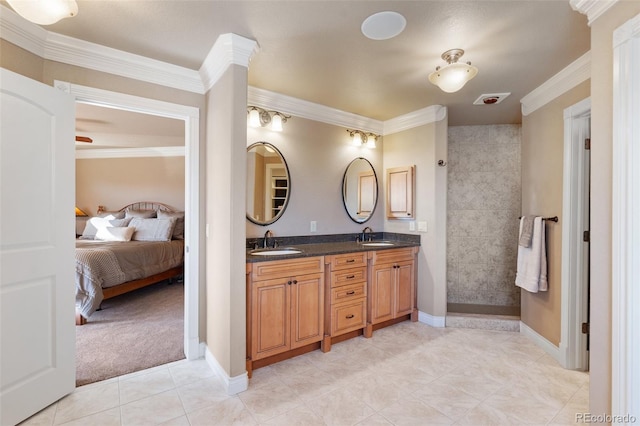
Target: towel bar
[552, 219]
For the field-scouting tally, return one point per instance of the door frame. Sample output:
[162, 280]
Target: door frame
[575, 263]
[191, 117]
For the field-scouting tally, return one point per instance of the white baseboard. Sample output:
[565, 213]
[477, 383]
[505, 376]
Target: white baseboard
[431, 320]
[235, 384]
[543, 343]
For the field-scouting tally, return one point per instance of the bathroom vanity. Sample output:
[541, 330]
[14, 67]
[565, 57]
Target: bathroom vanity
[307, 296]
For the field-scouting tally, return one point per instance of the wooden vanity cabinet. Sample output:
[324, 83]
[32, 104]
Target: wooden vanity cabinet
[285, 306]
[400, 193]
[346, 295]
[392, 286]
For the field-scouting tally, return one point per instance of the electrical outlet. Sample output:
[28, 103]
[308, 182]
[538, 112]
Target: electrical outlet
[313, 226]
[422, 226]
[412, 225]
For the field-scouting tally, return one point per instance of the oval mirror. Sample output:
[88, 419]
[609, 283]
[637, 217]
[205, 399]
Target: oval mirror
[360, 190]
[268, 183]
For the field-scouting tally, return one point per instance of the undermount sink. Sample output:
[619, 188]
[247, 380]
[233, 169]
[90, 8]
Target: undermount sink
[275, 251]
[377, 243]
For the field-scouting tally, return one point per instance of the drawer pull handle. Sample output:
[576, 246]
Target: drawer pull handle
[350, 260]
[350, 277]
[352, 292]
[349, 316]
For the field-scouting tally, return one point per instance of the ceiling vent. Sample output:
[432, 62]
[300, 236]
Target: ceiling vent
[491, 98]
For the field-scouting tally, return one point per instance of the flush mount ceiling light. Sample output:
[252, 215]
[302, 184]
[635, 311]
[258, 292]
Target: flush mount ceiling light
[360, 138]
[44, 12]
[383, 25]
[453, 76]
[260, 117]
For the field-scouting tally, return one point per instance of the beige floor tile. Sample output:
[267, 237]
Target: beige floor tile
[375, 420]
[478, 384]
[231, 412]
[524, 407]
[341, 408]
[139, 387]
[312, 384]
[152, 410]
[42, 418]
[104, 418]
[90, 401]
[178, 421]
[190, 371]
[267, 402]
[299, 416]
[201, 394]
[411, 412]
[452, 401]
[378, 390]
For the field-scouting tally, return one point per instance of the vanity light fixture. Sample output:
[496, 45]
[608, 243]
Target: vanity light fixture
[453, 76]
[260, 117]
[44, 12]
[360, 138]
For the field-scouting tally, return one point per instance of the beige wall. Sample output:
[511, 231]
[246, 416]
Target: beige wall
[21, 61]
[116, 182]
[423, 146]
[601, 184]
[317, 155]
[226, 175]
[542, 186]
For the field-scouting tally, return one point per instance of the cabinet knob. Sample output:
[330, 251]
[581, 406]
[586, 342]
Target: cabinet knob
[295, 281]
[289, 282]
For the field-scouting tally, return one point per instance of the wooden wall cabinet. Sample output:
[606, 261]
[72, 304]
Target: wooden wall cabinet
[285, 306]
[392, 286]
[401, 192]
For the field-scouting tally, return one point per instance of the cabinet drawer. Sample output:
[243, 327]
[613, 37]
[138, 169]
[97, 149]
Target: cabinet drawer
[348, 276]
[348, 316]
[394, 255]
[348, 260]
[286, 268]
[348, 292]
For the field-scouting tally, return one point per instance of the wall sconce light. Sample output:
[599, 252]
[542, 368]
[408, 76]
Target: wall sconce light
[360, 138]
[44, 12]
[453, 76]
[260, 117]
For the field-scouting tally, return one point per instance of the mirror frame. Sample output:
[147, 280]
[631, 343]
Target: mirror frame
[286, 201]
[344, 201]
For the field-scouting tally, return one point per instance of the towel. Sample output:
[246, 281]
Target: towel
[526, 231]
[532, 261]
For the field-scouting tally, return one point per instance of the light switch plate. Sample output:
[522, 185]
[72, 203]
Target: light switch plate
[422, 226]
[412, 225]
[313, 226]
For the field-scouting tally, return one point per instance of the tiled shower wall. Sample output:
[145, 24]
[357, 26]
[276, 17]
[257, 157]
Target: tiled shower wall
[483, 206]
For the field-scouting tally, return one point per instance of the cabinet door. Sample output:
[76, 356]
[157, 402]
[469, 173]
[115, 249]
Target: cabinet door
[270, 321]
[404, 273]
[382, 293]
[400, 192]
[307, 310]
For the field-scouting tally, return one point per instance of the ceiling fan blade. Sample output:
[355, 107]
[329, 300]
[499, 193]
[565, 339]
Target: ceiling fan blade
[83, 139]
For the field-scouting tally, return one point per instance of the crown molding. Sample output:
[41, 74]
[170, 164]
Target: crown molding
[423, 116]
[592, 8]
[22, 33]
[568, 78]
[161, 151]
[312, 111]
[227, 50]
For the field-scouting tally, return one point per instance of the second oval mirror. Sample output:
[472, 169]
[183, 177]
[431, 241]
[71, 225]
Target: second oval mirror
[268, 183]
[360, 190]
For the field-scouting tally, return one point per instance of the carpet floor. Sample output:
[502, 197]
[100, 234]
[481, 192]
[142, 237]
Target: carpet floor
[131, 332]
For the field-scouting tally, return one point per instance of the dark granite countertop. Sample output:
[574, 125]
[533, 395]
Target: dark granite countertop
[329, 244]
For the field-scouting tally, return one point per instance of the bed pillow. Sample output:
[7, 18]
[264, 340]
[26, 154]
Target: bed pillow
[95, 223]
[139, 213]
[178, 231]
[111, 215]
[115, 233]
[150, 229]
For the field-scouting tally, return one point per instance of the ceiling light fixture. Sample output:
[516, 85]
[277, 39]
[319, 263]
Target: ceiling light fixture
[383, 25]
[260, 117]
[453, 76]
[44, 12]
[360, 138]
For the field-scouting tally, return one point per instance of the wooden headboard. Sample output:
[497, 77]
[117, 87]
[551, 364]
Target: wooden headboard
[147, 205]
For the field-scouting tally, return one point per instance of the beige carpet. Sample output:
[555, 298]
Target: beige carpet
[133, 331]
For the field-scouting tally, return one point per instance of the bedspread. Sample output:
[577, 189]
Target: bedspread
[101, 264]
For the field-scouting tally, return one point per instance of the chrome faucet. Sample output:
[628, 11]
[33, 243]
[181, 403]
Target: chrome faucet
[365, 231]
[267, 235]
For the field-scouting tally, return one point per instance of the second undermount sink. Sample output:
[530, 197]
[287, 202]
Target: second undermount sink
[377, 243]
[279, 251]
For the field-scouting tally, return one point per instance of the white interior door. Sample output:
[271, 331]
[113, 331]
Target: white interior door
[37, 172]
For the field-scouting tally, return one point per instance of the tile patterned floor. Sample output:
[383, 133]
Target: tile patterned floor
[407, 374]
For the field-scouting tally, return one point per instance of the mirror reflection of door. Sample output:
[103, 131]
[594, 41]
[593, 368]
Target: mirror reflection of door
[366, 194]
[276, 188]
[268, 183]
[360, 190]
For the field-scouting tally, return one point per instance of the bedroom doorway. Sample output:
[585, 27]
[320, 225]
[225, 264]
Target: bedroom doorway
[189, 152]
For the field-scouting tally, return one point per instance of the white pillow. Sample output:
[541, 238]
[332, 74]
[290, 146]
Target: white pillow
[139, 213]
[152, 229]
[115, 233]
[178, 231]
[95, 223]
[111, 215]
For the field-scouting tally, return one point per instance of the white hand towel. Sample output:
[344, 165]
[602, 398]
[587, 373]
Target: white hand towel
[532, 261]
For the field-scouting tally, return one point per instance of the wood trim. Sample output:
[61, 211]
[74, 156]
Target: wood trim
[143, 282]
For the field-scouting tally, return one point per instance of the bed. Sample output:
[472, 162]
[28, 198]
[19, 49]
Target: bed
[138, 245]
